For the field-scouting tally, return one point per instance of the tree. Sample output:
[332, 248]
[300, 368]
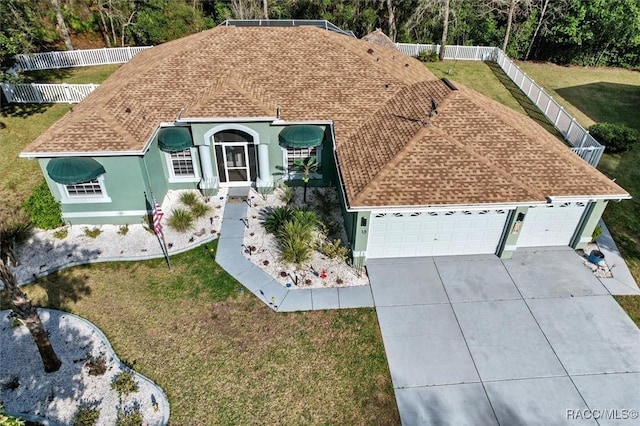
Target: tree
[28, 314]
[391, 19]
[307, 167]
[543, 12]
[510, 9]
[20, 30]
[445, 28]
[62, 26]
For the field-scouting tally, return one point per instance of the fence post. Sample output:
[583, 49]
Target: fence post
[37, 93]
[417, 50]
[573, 122]
[584, 138]
[546, 110]
[477, 52]
[67, 93]
[129, 52]
[455, 54]
[509, 69]
[538, 97]
[106, 55]
[555, 122]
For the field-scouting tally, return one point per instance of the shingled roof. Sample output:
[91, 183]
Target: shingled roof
[391, 153]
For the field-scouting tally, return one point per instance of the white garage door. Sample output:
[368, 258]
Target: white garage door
[405, 234]
[550, 225]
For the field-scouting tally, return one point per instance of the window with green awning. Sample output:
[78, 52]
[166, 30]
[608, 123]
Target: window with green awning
[72, 170]
[174, 139]
[301, 136]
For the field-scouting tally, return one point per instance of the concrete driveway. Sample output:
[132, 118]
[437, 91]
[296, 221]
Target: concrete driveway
[475, 340]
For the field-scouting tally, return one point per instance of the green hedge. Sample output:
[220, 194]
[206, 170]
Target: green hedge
[43, 210]
[617, 138]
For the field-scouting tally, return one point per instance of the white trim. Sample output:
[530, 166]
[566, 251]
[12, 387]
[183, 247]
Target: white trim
[182, 179]
[278, 122]
[81, 154]
[224, 119]
[247, 168]
[510, 248]
[444, 207]
[208, 136]
[587, 198]
[65, 198]
[75, 215]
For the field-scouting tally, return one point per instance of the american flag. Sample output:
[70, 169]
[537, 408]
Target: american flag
[157, 217]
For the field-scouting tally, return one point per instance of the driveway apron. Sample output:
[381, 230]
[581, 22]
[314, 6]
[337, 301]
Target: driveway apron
[530, 340]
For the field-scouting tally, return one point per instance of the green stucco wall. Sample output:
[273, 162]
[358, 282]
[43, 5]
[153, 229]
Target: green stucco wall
[509, 243]
[594, 213]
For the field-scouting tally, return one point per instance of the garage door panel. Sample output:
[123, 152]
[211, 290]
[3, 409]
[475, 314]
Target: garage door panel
[435, 233]
[552, 225]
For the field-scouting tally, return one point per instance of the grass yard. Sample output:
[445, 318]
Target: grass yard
[591, 94]
[22, 123]
[222, 356]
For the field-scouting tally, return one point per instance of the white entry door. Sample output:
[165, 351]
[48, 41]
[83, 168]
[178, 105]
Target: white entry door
[436, 233]
[551, 224]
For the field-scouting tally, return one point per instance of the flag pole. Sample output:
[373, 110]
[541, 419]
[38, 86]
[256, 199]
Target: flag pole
[157, 214]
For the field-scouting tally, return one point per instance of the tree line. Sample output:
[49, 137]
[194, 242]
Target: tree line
[584, 32]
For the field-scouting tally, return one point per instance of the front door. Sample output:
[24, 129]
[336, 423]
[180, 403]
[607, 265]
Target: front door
[234, 165]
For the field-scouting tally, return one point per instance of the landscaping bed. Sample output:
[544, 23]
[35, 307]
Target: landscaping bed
[327, 263]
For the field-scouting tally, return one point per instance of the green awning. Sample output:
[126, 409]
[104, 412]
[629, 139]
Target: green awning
[301, 136]
[70, 170]
[174, 139]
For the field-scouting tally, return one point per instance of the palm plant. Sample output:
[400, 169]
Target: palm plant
[307, 167]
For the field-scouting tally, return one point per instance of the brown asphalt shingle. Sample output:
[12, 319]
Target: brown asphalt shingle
[390, 151]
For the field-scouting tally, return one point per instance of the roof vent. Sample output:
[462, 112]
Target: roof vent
[434, 108]
[449, 84]
[370, 51]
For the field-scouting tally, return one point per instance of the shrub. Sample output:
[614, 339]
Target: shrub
[15, 231]
[334, 250]
[306, 218]
[199, 209]
[93, 232]
[189, 198]
[97, 366]
[617, 138]
[276, 217]
[43, 210]
[295, 242]
[287, 195]
[61, 233]
[181, 220]
[129, 417]
[428, 56]
[124, 383]
[86, 416]
[123, 230]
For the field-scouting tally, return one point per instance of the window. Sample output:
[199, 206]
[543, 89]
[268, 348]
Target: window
[181, 166]
[293, 154]
[91, 191]
[90, 188]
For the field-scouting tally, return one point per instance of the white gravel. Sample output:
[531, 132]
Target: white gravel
[43, 253]
[267, 254]
[57, 396]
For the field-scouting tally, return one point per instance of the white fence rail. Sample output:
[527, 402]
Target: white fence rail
[464, 53]
[46, 93]
[77, 58]
[581, 142]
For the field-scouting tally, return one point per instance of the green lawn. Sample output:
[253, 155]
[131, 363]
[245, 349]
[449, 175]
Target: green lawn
[221, 355]
[591, 94]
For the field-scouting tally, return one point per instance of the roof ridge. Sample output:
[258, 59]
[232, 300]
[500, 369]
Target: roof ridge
[400, 154]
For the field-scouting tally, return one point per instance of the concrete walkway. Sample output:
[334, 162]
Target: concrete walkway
[479, 340]
[622, 282]
[279, 298]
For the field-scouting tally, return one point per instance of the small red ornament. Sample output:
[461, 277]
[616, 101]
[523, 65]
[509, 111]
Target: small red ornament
[323, 274]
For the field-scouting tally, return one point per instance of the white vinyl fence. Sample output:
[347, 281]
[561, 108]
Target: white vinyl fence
[77, 58]
[464, 53]
[46, 93]
[581, 142]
